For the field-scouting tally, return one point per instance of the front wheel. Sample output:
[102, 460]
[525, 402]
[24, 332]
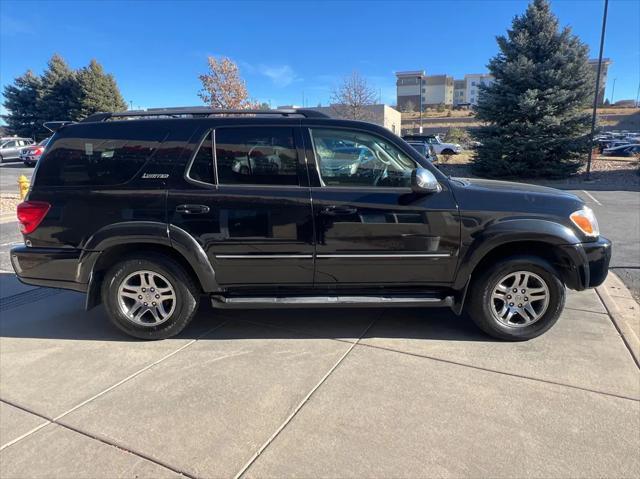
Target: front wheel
[517, 299]
[150, 297]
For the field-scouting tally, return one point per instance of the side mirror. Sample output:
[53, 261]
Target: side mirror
[423, 181]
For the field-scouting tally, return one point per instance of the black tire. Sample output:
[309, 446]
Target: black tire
[479, 307]
[448, 151]
[187, 296]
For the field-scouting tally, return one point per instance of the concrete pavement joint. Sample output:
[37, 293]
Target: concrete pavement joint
[88, 435]
[446, 360]
[110, 388]
[302, 403]
[480, 368]
[585, 310]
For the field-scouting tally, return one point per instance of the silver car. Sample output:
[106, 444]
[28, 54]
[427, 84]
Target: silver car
[11, 147]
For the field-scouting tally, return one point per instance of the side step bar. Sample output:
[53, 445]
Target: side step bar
[251, 302]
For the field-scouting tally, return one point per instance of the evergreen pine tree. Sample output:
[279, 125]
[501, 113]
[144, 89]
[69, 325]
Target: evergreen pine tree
[22, 102]
[537, 125]
[61, 92]
[98, 91]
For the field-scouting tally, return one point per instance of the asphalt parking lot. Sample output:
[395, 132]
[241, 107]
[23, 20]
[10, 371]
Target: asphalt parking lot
[303, 393]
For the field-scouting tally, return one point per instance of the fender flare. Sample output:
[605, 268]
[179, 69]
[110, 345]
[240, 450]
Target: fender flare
[192, 251]
[512, 231]
[143, 232]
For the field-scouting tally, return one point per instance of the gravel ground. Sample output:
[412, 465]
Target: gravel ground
[8, 203]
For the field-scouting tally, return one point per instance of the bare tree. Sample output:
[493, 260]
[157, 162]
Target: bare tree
[222, 86]
[351, 98]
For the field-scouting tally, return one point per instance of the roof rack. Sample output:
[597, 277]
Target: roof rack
[54, 126]
[201, 111]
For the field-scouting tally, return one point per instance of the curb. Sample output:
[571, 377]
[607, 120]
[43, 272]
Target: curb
[623, 311]
[10, 218]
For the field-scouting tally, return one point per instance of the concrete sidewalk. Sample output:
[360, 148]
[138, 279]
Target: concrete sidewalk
[303, 393]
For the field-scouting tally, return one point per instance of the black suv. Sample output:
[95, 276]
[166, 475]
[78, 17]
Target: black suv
[149, 211]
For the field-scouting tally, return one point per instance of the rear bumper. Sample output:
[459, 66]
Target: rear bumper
[49, 267]
[588, 264]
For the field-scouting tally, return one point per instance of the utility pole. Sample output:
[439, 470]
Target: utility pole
[595, 97]
[131, 103]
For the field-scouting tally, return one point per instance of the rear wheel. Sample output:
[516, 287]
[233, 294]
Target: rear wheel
[150, 297]
[517, 299]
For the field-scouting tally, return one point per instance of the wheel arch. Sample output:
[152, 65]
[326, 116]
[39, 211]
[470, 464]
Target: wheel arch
[129, 238]
[540, 238]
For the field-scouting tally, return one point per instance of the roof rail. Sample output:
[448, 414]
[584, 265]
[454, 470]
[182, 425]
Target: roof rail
[54, 126]
[201, 111]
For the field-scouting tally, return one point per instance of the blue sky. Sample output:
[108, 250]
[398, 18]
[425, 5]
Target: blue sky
[288, 51]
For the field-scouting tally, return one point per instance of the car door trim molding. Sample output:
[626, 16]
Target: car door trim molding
[377, 255]
[263, 256]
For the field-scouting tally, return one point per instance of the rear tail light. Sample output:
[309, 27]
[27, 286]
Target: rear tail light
[30, 214]
[38, 151]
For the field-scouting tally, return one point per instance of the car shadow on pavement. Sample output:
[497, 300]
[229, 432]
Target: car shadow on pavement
[62, 316]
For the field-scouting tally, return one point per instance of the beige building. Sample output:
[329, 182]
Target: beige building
[411, 89]
[438, 91]
[379, 114]
[459, 92]
[603, 75]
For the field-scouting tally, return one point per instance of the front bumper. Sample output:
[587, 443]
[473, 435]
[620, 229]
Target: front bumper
[586, 264]
[49, 267]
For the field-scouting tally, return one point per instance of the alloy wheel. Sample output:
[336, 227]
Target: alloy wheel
[146, 298]
[519, 299]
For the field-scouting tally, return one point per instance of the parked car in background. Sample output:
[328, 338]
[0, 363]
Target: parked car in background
[31, 154]
[10, 147]
[426, 150]
[629, 149]
[439, 146]
[148, 213]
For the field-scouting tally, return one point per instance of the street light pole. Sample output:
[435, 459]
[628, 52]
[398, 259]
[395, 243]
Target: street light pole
[420, 86]
[595, 97]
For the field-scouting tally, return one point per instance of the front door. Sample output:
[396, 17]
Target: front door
[371, 227]
[246, 200]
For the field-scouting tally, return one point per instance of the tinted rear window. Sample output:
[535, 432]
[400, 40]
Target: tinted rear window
[97, 156]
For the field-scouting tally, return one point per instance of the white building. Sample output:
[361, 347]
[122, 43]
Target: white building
[472, 83]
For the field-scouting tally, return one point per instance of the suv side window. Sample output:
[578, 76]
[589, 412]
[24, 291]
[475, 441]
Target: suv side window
[256, 156]
[97, 158]
[201, 169]
[353, 158]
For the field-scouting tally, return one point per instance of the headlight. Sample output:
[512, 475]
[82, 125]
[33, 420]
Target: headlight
[586, 221]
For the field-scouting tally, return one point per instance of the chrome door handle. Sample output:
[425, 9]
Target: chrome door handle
[338, 210]
[192, 209]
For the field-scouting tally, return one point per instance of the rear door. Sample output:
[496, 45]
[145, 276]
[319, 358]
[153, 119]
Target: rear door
[371, 227]
[245, 198]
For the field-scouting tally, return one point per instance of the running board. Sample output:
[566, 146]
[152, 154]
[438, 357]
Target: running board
[251, 302]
